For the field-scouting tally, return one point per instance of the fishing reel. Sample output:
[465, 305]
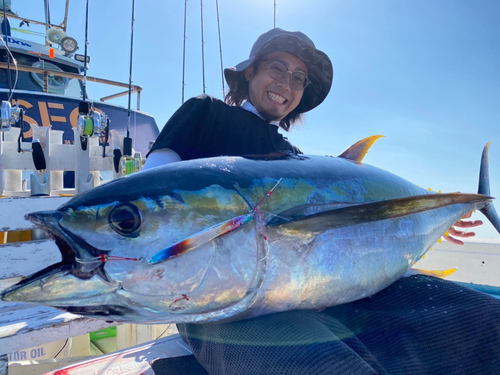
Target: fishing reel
[125, 163]
[90, 122]
[94, 124]
[10, 115]
[129, 164]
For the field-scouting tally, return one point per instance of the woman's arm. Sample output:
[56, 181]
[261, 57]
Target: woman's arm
[161, 157]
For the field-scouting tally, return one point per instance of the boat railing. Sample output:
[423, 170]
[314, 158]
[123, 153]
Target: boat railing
[61, 26]
[46, 72]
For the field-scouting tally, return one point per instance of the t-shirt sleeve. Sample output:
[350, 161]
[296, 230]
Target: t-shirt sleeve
[187, 130]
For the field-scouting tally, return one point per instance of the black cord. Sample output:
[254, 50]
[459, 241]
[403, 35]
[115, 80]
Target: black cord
[166, 329]
[7, 53]
[59, 352]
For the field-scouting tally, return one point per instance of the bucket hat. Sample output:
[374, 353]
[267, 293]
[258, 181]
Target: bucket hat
[319, 66]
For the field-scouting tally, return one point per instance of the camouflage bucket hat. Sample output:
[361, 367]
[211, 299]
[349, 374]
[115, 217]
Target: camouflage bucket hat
[298, 44]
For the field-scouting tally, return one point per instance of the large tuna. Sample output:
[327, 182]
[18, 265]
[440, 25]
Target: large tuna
[232, 237]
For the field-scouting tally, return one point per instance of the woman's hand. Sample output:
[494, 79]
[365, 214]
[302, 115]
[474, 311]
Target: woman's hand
[461, 224]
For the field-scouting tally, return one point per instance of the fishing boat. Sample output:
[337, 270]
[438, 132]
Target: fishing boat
[48, 86]
[44, 86]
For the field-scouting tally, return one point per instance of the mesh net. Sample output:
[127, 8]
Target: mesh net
[418, 325]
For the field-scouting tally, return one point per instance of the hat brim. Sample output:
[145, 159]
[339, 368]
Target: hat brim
[320, 69]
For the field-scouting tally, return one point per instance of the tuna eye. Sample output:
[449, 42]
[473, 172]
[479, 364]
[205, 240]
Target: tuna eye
[125, 219]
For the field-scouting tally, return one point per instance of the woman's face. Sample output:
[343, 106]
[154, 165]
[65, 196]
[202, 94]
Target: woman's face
[274, 99]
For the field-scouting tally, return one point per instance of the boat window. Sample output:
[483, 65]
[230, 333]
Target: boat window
[31, 81]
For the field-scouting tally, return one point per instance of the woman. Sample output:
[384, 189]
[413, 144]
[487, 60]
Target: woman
[284, 77]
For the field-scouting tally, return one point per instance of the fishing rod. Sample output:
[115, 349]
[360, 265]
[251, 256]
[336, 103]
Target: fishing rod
[91, 123]
[184, 52]
[86, 50]
[202, 48]
[6, 111]
[126, 163]
[274, 13]
[220, 50]
[127, 141]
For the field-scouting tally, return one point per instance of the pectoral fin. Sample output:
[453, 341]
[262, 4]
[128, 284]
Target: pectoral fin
[369, 212]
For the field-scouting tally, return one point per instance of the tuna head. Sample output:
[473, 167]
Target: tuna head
[141, 250]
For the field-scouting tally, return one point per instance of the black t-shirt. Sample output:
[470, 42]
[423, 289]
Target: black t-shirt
[206, 127]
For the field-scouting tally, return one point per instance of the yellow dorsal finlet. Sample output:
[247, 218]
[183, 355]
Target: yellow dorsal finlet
[438, 273]
[358, 150]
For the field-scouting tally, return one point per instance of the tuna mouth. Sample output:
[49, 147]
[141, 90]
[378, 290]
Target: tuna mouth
[69, 280]
[77, 255]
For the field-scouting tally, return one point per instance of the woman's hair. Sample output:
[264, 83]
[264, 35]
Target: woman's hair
[239, 93]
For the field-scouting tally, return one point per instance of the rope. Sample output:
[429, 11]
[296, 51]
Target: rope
[184, 51]
[220, 50]
[202, 48]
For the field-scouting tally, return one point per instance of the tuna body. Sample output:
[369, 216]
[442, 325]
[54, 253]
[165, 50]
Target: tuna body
[200, 241]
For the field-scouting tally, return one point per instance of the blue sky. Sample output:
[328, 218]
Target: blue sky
[426, 74]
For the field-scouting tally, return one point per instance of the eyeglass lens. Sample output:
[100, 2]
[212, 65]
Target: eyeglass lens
[279, 71]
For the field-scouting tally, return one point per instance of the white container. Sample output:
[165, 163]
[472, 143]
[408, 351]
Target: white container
[52, 350]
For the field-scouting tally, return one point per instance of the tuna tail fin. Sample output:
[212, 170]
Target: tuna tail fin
[358, 150]
[484, 188]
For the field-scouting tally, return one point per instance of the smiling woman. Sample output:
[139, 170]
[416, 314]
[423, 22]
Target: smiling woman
[284, 76]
